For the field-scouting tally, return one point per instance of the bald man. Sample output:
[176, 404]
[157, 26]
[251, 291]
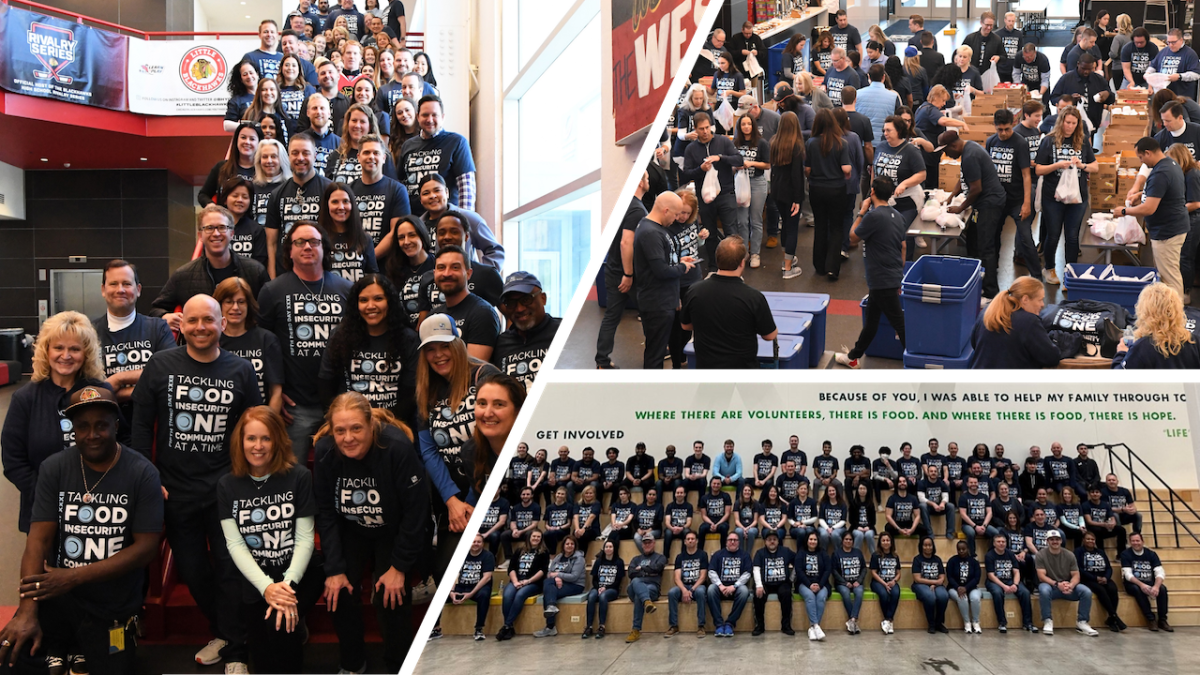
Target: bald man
[657, 268]
[195, 396]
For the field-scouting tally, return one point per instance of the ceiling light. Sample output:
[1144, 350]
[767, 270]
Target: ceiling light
[143, 159]
[45, 160]
[247, 16]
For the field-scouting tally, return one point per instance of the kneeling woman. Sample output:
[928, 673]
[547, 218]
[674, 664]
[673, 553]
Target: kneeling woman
[525, 577]
[268, 495]
[565, 577]
[929, 585]
[373, 507]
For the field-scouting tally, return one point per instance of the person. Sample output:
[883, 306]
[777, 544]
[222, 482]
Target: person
[1004, 502]
[272, 547]
[521, 348]
[1136, 56]
[243, 82]
[564, 578]
[450, 225]
[295, 88]
[397, 22]
[696, 469]
[336, 103]
[214, 225]
[93, 592]
[964, 79]
[561, 469]
[525, 574]
[929, 585]
[744, 45]
[474, 583]
[380, 199]
[1179, 63]
[322, 128]
[245, 338]
[727, 315]
[608, 570]
[677, 518]
[587, 472]
[669, 473]
[962, 573]
[299, 199]
[421, 65]
[343, 164]
[1191, 243]
[1032, 69]
[184, 404]
[269, 173]
[773, 516]
[1010, 42]
[377, 523]
[585, 523]
[976, 513]
[1060, 470]
[249, 239]
[728, 467]
[618, 273]
[523, 518]
[821, 55]
[985, 198]
[1089, 86]
[621, 520]
[755, 152]
[648, 517]
[1162, 339]
[716, 509]
[1121, 502]
[1164, 208]
[691, 574]
[803, 511]
[353, 249]
[828, 167]
[706, 153]
[645, 578]
[812, 568]
[746, 514]
[841, 74]
[884, 228]
[1095, 572]
[930, 120]
[240, 161]
[986, 46]
[639, 469]
[729, 574]
[884, 572]
[1011, 334]
[439, 151]
[473, 316]
[1099, 519]
[1058, 578]
[849, 574]
[409, 264]
[1062, 148]
[1004, 575]
[1008, 153]
[727, 80]
[793, 57]
[787, 186]
[930, 58]
[267, 111]
[404, 118]
[833, 515]
[1144, 578]
[495, 521]
[657, 270]
[905, 511]
[127, 338]
[772, 575]
[825, 468]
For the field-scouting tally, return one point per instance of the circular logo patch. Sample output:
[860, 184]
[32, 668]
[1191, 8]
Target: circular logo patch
[441, 438]
[360, 386]
[258, 515]
[254, 541]
[195, 393]
[359, 497]
[368, 367]
[184, 421]
[73, 547]
[304, 331]
[65, 425]
[203, 70]
[86, 514]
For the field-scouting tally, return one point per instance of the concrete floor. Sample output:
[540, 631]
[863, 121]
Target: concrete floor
[870, 653]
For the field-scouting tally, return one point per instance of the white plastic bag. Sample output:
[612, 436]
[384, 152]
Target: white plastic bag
[741, 187]
[931, 210]
[990, 79]
[1157, 81]
[724, 114]
[1068, 187]
[948, 220]
[752, 68]
[1103, 229]
[711, 187]
[1128, 232]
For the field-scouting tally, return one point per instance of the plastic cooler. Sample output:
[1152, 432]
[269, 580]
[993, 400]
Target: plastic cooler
[816, 304]
[929, 362]
[793, 323]
[793, 353]
[886, 344]
[941, 302]
[1123, 293]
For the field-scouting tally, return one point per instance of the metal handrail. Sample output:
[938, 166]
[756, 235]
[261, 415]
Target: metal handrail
[1128, 464]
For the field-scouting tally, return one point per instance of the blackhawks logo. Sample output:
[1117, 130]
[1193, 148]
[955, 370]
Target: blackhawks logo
[203, 70]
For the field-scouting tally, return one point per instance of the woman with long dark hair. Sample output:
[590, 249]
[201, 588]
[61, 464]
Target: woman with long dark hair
[929, 585]
[352, 249]
[849, 577]
[822, 54]
[409, 263]
[885, 580]
[1066, 146]
[727, 81]
[403, 125]
[294, 90]
[366, 93]
[424, 67]
[267, 105]
[828, 167]
[243, 336]
[756, 155]
[249, 239]
[243, 82]
[861, 502]
[607, 572]
[342, 165]
[240, 161]
[373, 351]
[793, 56]
[787, 186]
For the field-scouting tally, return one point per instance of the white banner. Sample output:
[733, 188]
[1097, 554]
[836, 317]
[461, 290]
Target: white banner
[182, 77]
[1153, 420]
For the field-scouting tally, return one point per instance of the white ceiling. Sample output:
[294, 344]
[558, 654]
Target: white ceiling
[231, 15]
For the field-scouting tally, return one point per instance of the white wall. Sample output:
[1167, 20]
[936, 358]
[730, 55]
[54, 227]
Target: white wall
[486, 114]
[200, 17]
[609, 412]
[12, 186]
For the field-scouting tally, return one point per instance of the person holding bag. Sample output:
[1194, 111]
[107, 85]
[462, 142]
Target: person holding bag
[1063, 149]
[712, 154]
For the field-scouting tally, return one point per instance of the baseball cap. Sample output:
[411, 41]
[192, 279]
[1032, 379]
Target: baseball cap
[648, 535]
[439, 328]
[88, 397]
[948, 137]
[521, 282]
[910, 51]
[745, 103]
[1054, 534]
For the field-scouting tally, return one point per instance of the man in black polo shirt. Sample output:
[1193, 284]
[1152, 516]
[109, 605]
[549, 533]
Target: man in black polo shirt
[618, 275]
[475, 317]
[985, 197]
[656, 272]
[520, 349]
[726, 314]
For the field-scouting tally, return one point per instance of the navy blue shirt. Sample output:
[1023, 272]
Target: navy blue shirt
[1170, 219]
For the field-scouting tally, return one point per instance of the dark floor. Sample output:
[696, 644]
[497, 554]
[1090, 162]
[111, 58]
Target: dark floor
[844, 320]
[318, 658]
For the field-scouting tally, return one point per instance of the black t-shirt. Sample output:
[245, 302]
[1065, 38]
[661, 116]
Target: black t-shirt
[521, 355]
[714, 505]
[846, 37]
[388, 381]
[690, 566]
[747, 514]
[378, 204]
[763, 464]
[303, 315]
[1170, 219]
[728, 316]
[1033, 138]
[647, 517]
[933, 490]
[491, 516]
[833, 513]
[249, 240]
[882, 231]
[802, 509]
[677, 514]
[619, 512]
[1010, 159]
[451, 429]
[1189, 137]
[633, 216]
[408, 283]
[290, 204]
[195, 407]
[529, 563]
[977, 165]
[475, 318]
[899, 164]
[888, 566]
[904, 508]
[1003, 566]
[473, 569]
[485, 282]
[757, 153]
[1048, 153]
[1138, 60]
[670, 468]
[685, 238]
[93, 529]
[265, 513]
[824, 465]
[928, 568]
[861, 125]
[523, 516]
[976, 506]
[850, 566]
[131, 347]
[356, 24]
[653, 254]
[693, 466]
[261, 349]
[774, 567]
[352, 258]
[447, 154]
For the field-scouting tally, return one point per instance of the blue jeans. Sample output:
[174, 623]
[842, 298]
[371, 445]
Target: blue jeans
[800, 534]
[851, 599]
[753, 214]
[1047, 594]
[740, 595]
[934, 599]
[675, 596]
[639, 592]
[551, 593]
[722, 529]
[868, 536]
[814, 603]
[968, 605]
[747, 534]
[1057, 218]
[888, 600]
[594, 598]
[483, 601]
[827, 540]
[1022, 596]
[306, 419]
[988, 532]
[514, 600]
[927, 513]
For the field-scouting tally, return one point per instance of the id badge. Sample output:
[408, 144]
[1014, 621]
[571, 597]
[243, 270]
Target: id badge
[116, 639]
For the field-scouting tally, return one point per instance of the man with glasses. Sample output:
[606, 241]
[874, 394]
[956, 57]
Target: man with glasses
[302, 307]
[1179, 63]
[298, 200]
[986, 47]
[520, 349]
[201, 276]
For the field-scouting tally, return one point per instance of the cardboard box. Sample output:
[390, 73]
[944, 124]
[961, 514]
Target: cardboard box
[1114, 146]
[979, 134]
[1129, 160]
[1142, 95]
[949, 175]
[981, 121]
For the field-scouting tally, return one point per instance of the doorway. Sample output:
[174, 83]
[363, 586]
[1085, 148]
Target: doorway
[77, 290]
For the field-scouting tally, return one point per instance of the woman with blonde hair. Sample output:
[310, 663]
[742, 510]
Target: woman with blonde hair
[814, 96]
[1191, 179]
[1065, 146]
[1162, 338]
[372, 512]
[687, 237]
[1011, 334]
[278, 590]
[918, 77]
[874, 32]
[66, 357]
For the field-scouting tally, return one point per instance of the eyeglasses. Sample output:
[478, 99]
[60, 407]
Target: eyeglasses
[306, 243]
[511, 301]
[208, 229]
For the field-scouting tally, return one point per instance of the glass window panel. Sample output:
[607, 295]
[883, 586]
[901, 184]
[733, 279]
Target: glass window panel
[536, 20]
[556, 245]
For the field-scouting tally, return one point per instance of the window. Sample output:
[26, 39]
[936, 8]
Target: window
[555, 246]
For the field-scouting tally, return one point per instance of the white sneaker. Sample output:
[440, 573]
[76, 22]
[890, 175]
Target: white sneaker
[977, 628]
[850, 626]
[844, 359]
[1083, 627]
[891, 627]
[211, 653]
[967, 627]
[1048, 627]
[812, 634]
[755, 261]
[820, 633]
[793, 273]
[236, 668]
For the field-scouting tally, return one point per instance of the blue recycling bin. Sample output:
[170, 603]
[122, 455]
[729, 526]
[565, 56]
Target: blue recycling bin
[793, 353]
[816, 304]
[941, 297]
[1123, 293]
[886, 344]
[774, 65]
[930, 362]
[793, 323]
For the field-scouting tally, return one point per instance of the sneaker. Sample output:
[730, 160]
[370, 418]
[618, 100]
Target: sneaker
[1083, 627]
[820, 633]
[758, 630]
[772, 242]
[607, 366]
[1030, 627]
[977, 628]
[479, 636]
[700, 632]
[1003, 629]
[436, 633]
[843, 358]
[649, 606]
[236, 668]
[812, 634]
[1162, 623]
[921, 243]
[634, 636]
[941, 628]
[1048, 627]
[967, 627]
[857, 630]
[1051, 277]
[793, 273]
[755, 261]
[728, 630]
[546, 632]
[587, 633]
[845, 255]
[56, 665]
[787, 630]
[503, 634]
[550, 611]
[78, 664]
[211, 653]
[1119, 623]
[672, 631]
[600, 633]
[850, 626]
